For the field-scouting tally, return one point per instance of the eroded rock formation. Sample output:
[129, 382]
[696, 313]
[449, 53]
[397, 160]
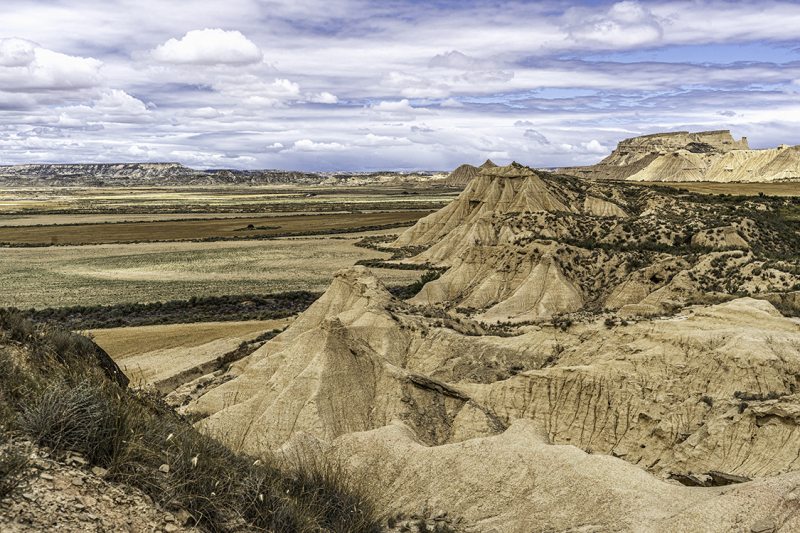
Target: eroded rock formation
[683, 156]
[464, 174]
[577, 419]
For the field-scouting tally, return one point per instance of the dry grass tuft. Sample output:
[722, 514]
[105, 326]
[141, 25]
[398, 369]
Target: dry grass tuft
[53, 392]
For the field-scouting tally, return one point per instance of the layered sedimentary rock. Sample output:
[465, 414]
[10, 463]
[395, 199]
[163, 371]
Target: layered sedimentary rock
[589, 414]
[518, 482]
[122, 170]
[422, 404]
[683, 156]
[524, 245]
[464, 174]
[342, 367]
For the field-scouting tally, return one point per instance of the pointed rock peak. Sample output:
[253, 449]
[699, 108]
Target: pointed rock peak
[514, 170]
[462, 175]
[488, 164]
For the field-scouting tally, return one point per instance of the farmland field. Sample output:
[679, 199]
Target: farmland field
[735, 189]
[105, 274]
[217, 228]
[122, 343]
[193, 200]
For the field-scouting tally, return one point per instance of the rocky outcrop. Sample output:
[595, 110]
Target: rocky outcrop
[124, 170]
[465, 173]
[175, 174]
[522, 245]
[610, 391]
[342, 367]
[652, 393]
[683, 156]
[518, 482]
[435, 413]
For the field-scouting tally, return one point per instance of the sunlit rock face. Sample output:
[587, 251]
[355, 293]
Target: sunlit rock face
[682, 156]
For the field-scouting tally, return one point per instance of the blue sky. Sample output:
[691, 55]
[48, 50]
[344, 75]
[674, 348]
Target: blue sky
[390, 85]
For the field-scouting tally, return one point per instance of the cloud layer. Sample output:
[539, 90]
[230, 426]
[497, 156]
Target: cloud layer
[358, 85]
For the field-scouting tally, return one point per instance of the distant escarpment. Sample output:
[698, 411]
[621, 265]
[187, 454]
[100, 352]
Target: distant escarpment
[140, 175]
[683, 156]
[175, 174]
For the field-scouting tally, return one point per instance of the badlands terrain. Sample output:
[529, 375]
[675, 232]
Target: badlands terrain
[712, 156]
[587, 355]
[595, 358]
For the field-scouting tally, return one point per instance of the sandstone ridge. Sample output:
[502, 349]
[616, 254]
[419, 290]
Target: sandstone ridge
[682, 156]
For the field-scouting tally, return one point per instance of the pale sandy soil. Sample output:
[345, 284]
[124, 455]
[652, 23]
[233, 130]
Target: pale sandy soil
[151, 354]
[122, 343]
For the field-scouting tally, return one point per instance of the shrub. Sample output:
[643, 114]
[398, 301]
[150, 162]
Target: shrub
[13, 469]
[79, 418]
[63, 402]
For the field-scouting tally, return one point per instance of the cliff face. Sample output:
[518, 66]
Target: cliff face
[683, 156]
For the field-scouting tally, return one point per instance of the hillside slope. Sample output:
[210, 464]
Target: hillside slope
[560, 376]
[682, 156]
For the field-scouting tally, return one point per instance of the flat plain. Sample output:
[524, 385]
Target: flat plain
[222, 228]
[105, 274]
[98, 262]
[789, 188]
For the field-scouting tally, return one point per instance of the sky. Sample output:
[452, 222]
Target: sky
[339, 85]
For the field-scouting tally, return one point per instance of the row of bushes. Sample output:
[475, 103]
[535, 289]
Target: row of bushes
[195, 309]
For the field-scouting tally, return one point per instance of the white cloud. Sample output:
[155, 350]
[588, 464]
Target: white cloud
[323, 98]
[459, 61]
[25, 65]
[275, 146]
[450, 102]
[524, 123]
[209, 47]
[255, 91]
[399, 109]
[484, 77]
[306, 145]
[17, 52]
[380, 140]
[625, 24]
[210, 159]
[205, 112]
[595, 147]
[118, 102]
[536, 137]
[65, 121]
[139, 152]
[413, 86]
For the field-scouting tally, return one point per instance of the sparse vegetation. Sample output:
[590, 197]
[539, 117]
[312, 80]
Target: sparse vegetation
[55, 393]
[758, 396]
[204, 309]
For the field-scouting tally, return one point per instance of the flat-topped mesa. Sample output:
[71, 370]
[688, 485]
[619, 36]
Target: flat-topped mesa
[99, 170]
[705, 156]
[702, 142]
